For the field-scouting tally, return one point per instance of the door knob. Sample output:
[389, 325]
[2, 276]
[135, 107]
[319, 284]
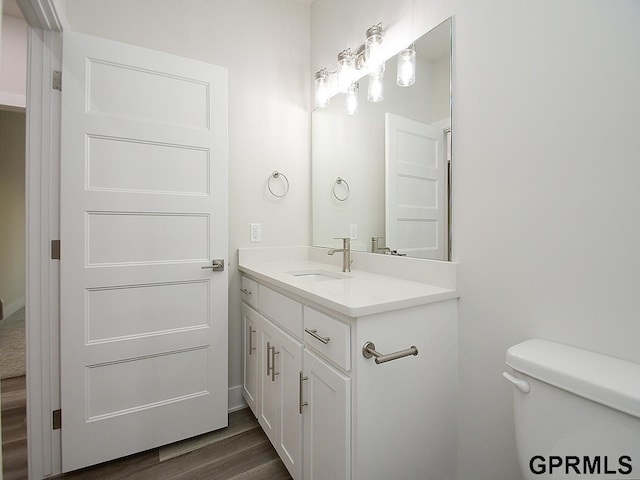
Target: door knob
[217, 265]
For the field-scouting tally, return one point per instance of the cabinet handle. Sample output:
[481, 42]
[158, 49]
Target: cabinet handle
[273, 364]
[251, 332]
[245, 291]
[314, 334]
[268, 358]
[301, 404]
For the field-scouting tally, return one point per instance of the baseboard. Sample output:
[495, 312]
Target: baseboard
[11, 308]
[236, 402]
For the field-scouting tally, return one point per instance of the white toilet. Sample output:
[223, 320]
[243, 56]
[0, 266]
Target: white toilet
[577, 413]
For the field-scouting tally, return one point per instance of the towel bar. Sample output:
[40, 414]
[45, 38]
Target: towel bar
[369, 350]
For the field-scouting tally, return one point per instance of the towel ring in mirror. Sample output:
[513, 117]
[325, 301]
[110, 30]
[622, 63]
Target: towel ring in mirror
[340, 181]
[277, 174]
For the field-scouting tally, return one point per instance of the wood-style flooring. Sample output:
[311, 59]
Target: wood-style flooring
[240, 452]
[14, 428]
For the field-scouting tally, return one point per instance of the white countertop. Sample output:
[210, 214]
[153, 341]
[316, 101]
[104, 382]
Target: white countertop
[360, 293]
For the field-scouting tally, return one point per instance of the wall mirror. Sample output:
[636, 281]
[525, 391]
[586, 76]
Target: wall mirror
[384, 172]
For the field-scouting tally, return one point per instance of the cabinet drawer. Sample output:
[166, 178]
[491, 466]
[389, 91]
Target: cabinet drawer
[338, 347]
[249, 291]
[282, 310]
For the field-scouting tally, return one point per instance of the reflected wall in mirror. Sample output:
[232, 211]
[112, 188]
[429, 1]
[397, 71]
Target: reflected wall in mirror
[383, 173]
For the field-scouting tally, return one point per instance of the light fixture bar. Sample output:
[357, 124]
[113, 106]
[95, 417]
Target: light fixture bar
[370, 57]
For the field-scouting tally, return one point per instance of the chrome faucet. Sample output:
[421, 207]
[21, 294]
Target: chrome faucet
[346, 252]
[376, 248]
[375, 241]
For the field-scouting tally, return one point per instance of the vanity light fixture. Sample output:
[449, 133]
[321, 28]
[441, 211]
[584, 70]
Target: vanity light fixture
[374, 56]
[375, 93]
[351, 99]
[407, 66]
[346, 71]
[368, 57]
[322, 88]
[359, 61]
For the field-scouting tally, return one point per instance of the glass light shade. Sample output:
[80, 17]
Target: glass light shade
[346, 71]
[374, 55]
[351, 99]
[322, 88]
[375, 93]
[407, 67]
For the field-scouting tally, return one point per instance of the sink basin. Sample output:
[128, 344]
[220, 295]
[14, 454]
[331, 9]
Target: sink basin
[316, 276]
[319, 275]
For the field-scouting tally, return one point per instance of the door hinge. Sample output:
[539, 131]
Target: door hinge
[56, 420]
[55, 249]
[56, 83]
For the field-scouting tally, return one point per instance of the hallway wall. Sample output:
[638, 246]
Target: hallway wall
[13, 62]
[12, 210]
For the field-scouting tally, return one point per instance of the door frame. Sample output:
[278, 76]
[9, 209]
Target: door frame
[42, 226]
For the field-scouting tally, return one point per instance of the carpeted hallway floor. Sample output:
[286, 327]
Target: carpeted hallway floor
[12, 345]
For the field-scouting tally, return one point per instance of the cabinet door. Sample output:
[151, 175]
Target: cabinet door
[269, 403]
[251, 353]
[327, 421]
[288, 364]
[279, 409]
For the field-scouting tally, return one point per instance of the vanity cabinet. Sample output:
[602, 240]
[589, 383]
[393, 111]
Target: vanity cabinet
[333, 414]
[271, 369]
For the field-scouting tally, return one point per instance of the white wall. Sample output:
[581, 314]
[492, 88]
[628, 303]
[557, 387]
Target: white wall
[13, 62]
[545, 192]
[265, 46]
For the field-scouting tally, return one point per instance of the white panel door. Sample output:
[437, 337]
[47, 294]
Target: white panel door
[143, 209]
[416, 207]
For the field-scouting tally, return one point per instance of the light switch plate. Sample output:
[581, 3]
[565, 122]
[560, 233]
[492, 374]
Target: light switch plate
[256, 233]
[353, 231]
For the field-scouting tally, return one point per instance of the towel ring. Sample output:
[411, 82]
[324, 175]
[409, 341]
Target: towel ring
[333, 189]
[277, 174]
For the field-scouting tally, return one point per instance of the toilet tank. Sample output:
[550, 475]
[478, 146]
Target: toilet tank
[576, 413]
